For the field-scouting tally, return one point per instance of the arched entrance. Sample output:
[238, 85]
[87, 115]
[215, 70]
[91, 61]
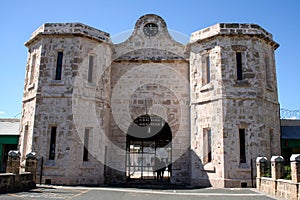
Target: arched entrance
[149, 149]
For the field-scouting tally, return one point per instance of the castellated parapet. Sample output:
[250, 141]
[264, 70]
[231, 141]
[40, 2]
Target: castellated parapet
[99, 112]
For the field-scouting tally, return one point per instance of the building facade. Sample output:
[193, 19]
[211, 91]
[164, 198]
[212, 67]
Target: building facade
[99, 112]
[290, 137]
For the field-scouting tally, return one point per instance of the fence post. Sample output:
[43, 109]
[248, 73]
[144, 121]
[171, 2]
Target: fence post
[261, 167]
[31, 165]
[277, 167]
[295, 167]
[13, 162]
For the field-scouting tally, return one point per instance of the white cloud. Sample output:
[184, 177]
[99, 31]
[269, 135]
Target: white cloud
[293, 118]
[2, 113]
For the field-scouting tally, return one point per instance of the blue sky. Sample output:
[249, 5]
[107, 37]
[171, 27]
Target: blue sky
[18, 19]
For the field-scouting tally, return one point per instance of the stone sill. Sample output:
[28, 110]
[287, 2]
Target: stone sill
[207, 87]
[57, 83]
[269, 88]
[208, 167]
[50, 164]
[31, 87]
[242, 83]
[243, 169]
[87, 165]
[90, 85]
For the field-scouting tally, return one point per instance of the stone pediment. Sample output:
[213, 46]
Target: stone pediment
[150, 35]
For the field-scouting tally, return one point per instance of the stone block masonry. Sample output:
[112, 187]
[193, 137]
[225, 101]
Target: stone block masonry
[13, 180]
[276, 185]
[214, 100]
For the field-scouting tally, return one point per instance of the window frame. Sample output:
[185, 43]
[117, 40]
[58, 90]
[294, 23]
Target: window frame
[207, 145]
[239, 65]
[90, 75]
[206, 68]
[242, 145]
[86, 144]
[59, 65]
[32, 69]
[52, 142]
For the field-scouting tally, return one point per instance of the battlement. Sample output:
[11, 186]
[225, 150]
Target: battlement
[232, 29]
[69, 28]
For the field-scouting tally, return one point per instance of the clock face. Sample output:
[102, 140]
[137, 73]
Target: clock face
[150, 29]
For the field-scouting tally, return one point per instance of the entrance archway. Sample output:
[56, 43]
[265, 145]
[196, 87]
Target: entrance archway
[149, 149]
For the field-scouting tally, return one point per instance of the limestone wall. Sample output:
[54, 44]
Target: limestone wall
[30, 96]
[166, 96]
[153, 71]
[151, 74]
[231, 29]
[225, 104]
[16, 182]
[206, 113]
[275, 186]
[55, 107]
[250, 104]
[69, 28]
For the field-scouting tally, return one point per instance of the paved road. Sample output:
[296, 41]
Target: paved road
[105, 193]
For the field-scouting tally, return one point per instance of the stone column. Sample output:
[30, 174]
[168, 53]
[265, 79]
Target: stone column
[295, 167]
[31, 164]
[277, 167]
[13, 162]
[261, 167]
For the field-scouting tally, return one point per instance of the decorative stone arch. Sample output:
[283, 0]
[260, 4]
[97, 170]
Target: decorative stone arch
[139, 41]
[149, 149]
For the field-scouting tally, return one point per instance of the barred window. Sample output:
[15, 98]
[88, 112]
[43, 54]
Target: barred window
[59, 62]
[239, 66]
[242, 138]
[86, 144]
[207, 156]
[91, 70]
[206, 69]
[52, 143]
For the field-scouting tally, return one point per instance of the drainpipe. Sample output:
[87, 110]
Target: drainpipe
[42, 165]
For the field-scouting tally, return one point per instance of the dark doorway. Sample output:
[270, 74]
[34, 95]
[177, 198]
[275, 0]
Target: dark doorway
[5, 149]
[149, 149]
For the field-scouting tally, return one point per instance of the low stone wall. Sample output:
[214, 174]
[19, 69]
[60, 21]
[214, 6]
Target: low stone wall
[265, 186]
[13, 180]
[287, 189]
[10, 182]
[274, 186]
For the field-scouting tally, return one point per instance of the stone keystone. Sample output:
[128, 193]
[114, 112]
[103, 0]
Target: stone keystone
[261, 159]
[295, 158]
[14, 153]
[277, 159]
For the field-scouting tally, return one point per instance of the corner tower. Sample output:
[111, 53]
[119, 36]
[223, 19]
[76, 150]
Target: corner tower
[59, 54]
[234, 103]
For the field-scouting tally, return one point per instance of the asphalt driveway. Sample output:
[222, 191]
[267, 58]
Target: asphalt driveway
[108, 193]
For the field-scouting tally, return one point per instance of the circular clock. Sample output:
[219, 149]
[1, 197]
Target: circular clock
[150, 29]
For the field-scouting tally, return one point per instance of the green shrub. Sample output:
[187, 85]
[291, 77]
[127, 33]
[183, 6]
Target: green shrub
[287, 173]
[267, 173]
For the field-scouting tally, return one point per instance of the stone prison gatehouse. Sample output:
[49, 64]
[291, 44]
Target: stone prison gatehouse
[150, 109]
